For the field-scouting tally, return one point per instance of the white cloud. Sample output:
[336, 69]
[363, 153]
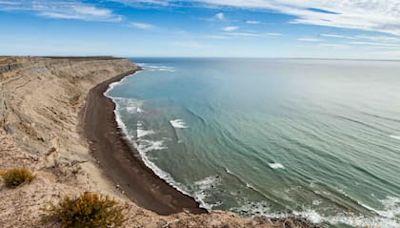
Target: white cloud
[369, 15]
[216, 37]
[220, 16]
[274, 34]
[336, 46]
[245, 34]
[372, 15]
[309, 39]
[253, 22]
[149, 2]
[9, 3]
[366, 43]
[62, 10]
[376, 41]
[141, 25]
[378, 38]
[253, 34]
[336, 36]
[230, 28]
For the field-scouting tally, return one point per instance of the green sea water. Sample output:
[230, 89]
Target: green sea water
[313, 138]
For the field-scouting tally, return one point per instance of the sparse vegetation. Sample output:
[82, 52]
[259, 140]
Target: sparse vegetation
[87, 210]
[16, 176]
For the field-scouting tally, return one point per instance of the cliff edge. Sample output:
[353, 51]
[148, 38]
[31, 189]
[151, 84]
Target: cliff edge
[41, 100]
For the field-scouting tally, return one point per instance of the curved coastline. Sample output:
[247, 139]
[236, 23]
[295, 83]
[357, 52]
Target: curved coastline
[121, 162]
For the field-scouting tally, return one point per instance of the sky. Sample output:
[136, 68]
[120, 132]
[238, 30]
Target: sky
[356, 29]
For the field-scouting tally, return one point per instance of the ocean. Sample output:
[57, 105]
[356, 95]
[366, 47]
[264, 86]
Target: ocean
[313, 138]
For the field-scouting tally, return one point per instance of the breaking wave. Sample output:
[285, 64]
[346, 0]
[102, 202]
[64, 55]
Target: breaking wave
[276, 165]
[178, 124]
[149, 67]
[203, 186]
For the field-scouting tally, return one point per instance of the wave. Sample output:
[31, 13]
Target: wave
[149, 67]
[203, 186]
[253, 209]
[386, 217]
[146, 145]
[395, 136]
[178, 124]
[262, 209]
[141, 132]
[150, 145]
[276, 165]
[111, 86]
[134, 109]
[248, 185]
[391, 207]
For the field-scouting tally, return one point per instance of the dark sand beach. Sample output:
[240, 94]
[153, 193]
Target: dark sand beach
[121, 162]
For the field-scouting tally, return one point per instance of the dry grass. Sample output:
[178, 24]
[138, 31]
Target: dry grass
[16, 176]
[87, 210]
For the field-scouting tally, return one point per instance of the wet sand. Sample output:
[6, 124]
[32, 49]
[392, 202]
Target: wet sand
[122, 163]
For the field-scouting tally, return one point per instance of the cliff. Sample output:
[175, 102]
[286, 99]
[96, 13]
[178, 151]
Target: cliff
[40, 104]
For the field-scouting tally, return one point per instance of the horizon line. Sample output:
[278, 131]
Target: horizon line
[199, 57]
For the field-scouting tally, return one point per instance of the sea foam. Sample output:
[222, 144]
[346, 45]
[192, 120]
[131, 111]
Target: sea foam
[262, 209]
[146, 146]
[276, 165]
[395, 137]
[141, 132]
[178, 123]
[149, 67]
[203, 186]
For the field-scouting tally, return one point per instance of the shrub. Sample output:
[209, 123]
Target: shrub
[87, 210]
[17, 176]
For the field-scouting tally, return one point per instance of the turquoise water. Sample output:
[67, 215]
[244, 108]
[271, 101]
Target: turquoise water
[315, 138]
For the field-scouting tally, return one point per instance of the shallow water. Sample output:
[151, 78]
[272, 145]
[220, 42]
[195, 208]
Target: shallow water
[315, 138]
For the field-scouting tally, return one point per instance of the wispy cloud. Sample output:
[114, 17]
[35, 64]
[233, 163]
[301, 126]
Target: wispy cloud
[367, 40]
[9, 3]
[378, 38]
[274, 34]
[253, 22]
[365, 43]
[336, 46]
[230, 28]
[309, 39]
[253, 34]
[372, 15]
[141, 25]
[220, 16]
[148, 2]
[62, 10]
[216, 37]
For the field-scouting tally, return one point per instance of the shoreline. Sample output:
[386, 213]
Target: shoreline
[121, 162]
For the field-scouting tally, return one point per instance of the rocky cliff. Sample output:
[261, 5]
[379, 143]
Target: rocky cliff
[40, 104]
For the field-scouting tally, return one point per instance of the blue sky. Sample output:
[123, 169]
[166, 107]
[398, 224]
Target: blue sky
[202, 28]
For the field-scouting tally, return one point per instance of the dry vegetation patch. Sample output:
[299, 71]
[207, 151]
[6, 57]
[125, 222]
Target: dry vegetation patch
[87, 210]
[16, 176]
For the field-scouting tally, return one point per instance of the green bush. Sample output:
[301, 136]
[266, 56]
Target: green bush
[88, 210]
[17, 176]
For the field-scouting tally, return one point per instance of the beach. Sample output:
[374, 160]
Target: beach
[51, 124]
[122, 163]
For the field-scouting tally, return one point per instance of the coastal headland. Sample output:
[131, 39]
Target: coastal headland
[56, 121]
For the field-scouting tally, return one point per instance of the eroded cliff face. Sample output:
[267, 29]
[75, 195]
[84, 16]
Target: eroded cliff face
[40, 103]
